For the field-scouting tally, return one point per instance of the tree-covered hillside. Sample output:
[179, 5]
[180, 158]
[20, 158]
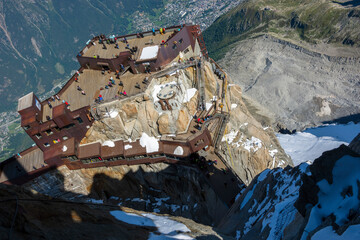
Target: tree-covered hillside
[310, 21]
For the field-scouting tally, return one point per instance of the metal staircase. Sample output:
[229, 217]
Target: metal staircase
[196, 32]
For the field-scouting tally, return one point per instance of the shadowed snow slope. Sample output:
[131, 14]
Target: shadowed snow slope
[304, 202]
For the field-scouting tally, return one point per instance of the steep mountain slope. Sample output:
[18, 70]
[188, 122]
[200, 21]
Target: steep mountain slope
[296, 60]
[309, 21]
[30, 215]
[300, 202]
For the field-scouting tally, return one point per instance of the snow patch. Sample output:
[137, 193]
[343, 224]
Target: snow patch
[230, 136]
[111, 114]
[272, 153]
[351, 233]
[174, 207]
[166, 225]
[132, 218]
[108, 143]
[179, 150]
[127, 146]
[64, 148]
[96, 201]
[160, 200]
[346, 173]
[248, 196]
[189, 94]
[253, 144]
[151, 143]
[263, 175]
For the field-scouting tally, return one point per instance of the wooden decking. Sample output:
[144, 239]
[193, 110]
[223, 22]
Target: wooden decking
[29, 161]
[91, 81]
[111, 51]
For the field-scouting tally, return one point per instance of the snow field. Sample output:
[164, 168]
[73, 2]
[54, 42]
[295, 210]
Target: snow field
[310, 144]
[166, 228]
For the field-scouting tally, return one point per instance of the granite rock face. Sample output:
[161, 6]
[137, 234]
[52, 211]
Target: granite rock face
[247, 145]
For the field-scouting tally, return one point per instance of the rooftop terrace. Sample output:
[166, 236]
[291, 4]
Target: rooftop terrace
[111, 51]
[91, 82]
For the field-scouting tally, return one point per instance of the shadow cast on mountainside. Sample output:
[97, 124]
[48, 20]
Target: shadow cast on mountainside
[349, 3]
[27, 214]
[343, 120]
[176, 190]
[203, 194]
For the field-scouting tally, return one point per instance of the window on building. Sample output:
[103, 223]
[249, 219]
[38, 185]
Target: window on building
[73, 158]
[186, 50]
[79, 119]
[46, 144]
[68, 126]
[181, 40]
[174, 46]
[38, 135]
[26, 127]
[49, 132]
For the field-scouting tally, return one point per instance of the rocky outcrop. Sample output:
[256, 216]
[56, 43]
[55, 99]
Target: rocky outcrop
[128, 118]
[355, 144]
[247, 145]
[300, 202]
[182, 121]
[164, 124]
